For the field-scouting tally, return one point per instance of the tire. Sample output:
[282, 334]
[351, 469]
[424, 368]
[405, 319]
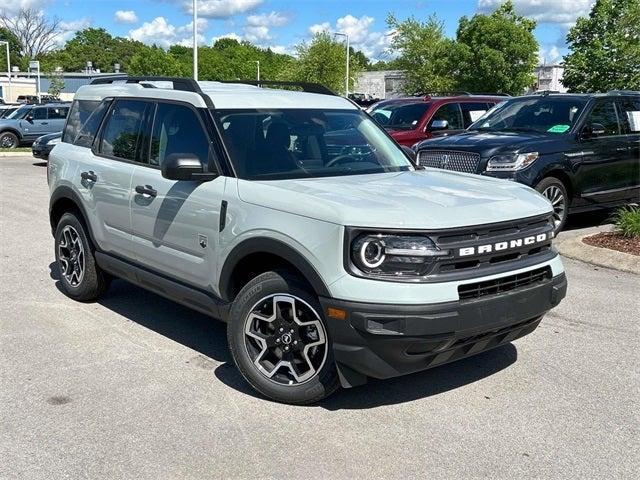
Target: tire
[9, 140]
[87, 282]
[556, 192]
[258, 343]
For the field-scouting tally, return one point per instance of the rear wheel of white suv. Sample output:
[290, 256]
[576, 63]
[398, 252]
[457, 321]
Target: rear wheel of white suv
[279, 341]
[80, 276]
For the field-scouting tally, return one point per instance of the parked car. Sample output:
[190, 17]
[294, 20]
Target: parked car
[411, 120]
[7, 109]
[365, 100]
[43, 145]
[331, 262]
[29, 122]
[28, 99]
[582, 152]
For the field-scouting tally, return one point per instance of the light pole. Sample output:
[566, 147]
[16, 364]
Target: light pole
[8, 67]
[258, 64]
[195, 40]
[35, 65]
[346, 80]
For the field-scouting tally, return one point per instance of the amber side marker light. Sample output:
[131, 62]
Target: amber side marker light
[337, 313]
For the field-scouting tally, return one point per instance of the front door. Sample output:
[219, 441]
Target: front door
[175, 223]
[36, 124]
[601, 176]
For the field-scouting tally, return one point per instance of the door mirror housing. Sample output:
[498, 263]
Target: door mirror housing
[439, 125]
[182, 166]
[593, 130]
[29, 118]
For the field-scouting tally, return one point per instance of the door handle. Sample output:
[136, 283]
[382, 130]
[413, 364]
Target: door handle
[44, 123]
[146, 190]
[90, 176]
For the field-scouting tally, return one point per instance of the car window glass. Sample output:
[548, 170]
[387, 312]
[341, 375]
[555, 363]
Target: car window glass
[451, 113]
[400, 116]
[473, 111]
[39, 113]
[604, 113]
[59, 113]
[123, 129]
[79, 113]
[177, 130]
[630, 114]
[90, 128]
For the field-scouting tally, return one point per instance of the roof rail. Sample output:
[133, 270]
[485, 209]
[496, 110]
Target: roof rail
[544, 92]
[179, 83]
[305, 86]
[623, 92]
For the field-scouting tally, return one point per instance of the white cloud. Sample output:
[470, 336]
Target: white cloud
[162, 33]
[232, 35]
[373, 44]
[69, 28]
[564, 12]
[12, 7]
[221, 8]
[258, 27]
[550, 55]
[125, 16]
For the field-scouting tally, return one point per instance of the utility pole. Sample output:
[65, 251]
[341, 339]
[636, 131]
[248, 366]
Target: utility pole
[195, 40]
[9, 99]
[346, 80]
[258, 64]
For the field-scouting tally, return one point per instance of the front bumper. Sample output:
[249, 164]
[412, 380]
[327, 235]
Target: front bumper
[41, 151]
[384, 340]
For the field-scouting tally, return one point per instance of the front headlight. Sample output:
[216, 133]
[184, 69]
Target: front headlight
[393, 256]
[511, 162]
[54, 141]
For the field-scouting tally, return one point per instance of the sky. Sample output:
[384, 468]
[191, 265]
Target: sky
[281, 24]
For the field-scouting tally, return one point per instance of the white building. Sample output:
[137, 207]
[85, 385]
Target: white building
[549, 77]
[381, 84]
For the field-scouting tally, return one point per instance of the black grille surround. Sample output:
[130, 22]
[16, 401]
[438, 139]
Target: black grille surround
[458, 161]
[504, 284]
[456, 267]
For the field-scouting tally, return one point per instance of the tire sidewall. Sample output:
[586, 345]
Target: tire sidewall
[320, 386]
[548, 182]
[16, 140]
[89, 284]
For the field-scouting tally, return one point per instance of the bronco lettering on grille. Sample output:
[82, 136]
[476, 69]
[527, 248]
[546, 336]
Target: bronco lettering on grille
[506, 245]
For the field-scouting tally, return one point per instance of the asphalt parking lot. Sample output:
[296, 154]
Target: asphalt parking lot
[138, 387]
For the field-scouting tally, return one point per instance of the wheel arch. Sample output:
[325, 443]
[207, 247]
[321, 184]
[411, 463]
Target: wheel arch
[258, 255]
[12, 130]
[63, 200]
[564, 178]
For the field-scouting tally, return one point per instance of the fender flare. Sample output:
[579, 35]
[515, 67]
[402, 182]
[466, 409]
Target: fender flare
[12, 130]
[273, 247]
[64, 192]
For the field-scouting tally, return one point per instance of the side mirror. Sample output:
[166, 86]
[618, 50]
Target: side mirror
[593, 130]
[29, 118]
[439, 125]
[181, 166]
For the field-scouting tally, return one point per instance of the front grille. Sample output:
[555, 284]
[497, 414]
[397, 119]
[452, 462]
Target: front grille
[450, 160]
[504, 284]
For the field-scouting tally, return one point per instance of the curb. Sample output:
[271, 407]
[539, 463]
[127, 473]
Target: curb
[576, 249]
[16, 154]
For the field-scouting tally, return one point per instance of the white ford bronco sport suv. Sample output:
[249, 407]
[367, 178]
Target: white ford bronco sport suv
[294, 217]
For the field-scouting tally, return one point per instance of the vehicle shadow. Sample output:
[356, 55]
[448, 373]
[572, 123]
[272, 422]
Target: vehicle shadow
[208, 337]
[39, 164]
[588, 219]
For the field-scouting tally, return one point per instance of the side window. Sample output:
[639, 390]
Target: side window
[123, 129]
[605, 114]
[80, 111]
[90, 128]
[58, 113]
[39, 113]
[472, 112]
[630, 108]
[451, 113]
[177, 130]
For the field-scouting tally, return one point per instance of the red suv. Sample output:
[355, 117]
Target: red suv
[413, 119]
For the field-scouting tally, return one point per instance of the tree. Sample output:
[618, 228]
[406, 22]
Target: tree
[155, 61]
[605, 48]
[423, 54]
[56, 84]
[323, 61]
[37, 34]
[15, 56]
[495, 53]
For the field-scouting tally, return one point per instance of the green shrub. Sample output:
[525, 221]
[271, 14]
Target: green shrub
[627, 221]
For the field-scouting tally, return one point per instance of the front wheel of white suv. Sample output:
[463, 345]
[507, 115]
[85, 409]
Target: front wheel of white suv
[80, 276]
[279, 340]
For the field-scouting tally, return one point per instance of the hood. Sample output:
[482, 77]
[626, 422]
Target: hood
[48, 136]
[423, 199]
[491, 143]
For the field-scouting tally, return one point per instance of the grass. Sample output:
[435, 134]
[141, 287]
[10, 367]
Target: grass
[627, 221]
[16, 150]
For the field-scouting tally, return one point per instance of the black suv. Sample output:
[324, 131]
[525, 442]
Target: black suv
[581, 151]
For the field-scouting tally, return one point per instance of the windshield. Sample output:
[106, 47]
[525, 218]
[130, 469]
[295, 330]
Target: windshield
[20, 113]
[303, 143]
[544, 114]
[400, 116]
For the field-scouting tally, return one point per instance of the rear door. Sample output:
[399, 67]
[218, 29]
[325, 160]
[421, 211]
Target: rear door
[601, 177]
[175, 223]
[56, 118]
[629, 108]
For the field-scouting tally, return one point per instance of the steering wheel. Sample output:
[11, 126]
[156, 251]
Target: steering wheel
[340, 159]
